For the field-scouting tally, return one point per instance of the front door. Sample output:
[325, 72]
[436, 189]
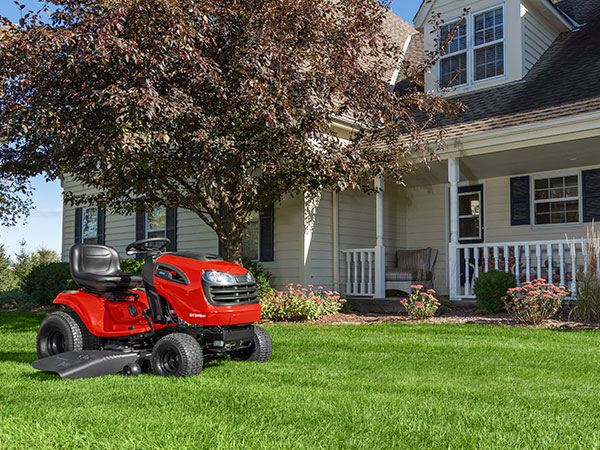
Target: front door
[470, 222]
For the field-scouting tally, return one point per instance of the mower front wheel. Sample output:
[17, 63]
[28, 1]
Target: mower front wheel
[58, 333]
[177, 355]
[260, 350]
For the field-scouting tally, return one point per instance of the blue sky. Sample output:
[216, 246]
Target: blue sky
[43, 227]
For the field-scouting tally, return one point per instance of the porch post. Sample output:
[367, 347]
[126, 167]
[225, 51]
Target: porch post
[453, 178]
[379, 247]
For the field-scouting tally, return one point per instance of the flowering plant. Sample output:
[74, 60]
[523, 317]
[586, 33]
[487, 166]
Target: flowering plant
[296, 303]
[421, 304]
[535, 301]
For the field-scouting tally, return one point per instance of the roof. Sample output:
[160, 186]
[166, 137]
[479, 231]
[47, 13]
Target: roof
[564, 82]
[399, 30]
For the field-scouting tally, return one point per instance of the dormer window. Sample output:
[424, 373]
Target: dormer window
[489, 44]
[477, 51]
[453, 65]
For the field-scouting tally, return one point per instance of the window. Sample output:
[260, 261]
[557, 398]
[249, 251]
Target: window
[453, 65]
[89, 225]
[156, 223]
[556, 200]
[479, 43]
[251, 239]
[488, 44]
[469, 213]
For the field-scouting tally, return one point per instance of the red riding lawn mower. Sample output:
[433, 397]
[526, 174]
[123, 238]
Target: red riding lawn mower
[185, 309]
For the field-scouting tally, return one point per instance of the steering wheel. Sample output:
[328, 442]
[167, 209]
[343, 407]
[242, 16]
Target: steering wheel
[142, 246]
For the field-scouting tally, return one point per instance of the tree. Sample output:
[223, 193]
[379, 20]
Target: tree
[217, 106]
[27, 262]
[8, 279]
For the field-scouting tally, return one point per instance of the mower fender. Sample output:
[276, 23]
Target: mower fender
[87, 363]
[104, 318]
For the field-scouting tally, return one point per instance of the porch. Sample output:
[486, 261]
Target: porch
[515, 237]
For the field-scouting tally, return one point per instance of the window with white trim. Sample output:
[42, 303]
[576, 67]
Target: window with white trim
[156, 223]
[469, 216]
[556, 200]
[251, 238]
[89, 225]
[453, 65]
[477, 51]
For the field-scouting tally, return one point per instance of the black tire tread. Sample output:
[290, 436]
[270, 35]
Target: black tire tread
[262, 347]
[90, 341]
[71, 324]
[191, 353]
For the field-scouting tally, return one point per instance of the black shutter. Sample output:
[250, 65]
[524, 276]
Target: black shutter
[590, 182]
[520, 212]
[267, 220]
[172, 229]
[101, 236]
[140, 226]
[78, 225]
[225, 225]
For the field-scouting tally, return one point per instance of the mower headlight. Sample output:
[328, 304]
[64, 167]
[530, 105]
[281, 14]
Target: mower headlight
[215, 277]
[250, 277]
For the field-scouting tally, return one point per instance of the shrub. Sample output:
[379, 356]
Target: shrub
[534, 302]
[296, 304]
[14, 298]
[262, 277]
[421, 304]
[490, 287]
[27, 262]
[132, 265]
[45, 282]
[8, 279]
[588, 283]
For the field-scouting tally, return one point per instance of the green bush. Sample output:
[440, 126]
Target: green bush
[14, 298]
[46, 281]
[490, 287]
[262, 277]
[132, 265]
[298, 304]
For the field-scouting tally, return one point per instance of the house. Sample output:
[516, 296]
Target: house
[520, 173]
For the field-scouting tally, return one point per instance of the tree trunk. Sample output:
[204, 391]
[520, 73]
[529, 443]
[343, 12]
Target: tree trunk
[232, 248]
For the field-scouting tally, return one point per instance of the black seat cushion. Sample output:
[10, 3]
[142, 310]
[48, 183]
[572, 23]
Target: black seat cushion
[97, 268]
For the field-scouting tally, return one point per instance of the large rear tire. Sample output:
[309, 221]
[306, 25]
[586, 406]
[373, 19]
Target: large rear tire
[260, 350]
[90, 341]
[58, 333]
[177, 355]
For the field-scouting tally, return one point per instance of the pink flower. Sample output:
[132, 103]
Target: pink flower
[417, 286]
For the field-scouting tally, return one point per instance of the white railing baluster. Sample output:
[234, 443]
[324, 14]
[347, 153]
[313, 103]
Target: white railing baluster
[363, 288]
[538, 254]
[371, 289]
[476, 254]
[355, 283]
[467, 276]
[349, 272]
[528, 263]
[486, 257]
[496, 256]
[506, 259]
[573, 266]
[550, 269]
[517, 271]
[584, 250]
[561, 259]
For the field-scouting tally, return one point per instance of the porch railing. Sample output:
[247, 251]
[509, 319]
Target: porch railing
[360, 271]
[556, 261]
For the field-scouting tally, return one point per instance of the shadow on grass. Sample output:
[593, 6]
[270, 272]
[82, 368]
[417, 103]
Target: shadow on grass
[20, 322]
[19, 357]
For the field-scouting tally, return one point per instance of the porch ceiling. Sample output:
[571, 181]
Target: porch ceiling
[521, 161]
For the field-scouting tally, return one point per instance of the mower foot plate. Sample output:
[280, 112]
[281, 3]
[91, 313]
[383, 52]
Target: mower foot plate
[87, 363]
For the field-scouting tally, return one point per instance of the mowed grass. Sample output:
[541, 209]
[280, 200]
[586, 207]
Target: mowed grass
[339, 386]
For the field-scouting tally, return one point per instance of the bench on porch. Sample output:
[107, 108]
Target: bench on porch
[412, 267]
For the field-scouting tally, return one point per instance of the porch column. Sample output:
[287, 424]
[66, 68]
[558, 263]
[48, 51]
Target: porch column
[453, 178]
[379, 247]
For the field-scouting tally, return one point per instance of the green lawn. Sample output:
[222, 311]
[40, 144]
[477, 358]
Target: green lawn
[338, 386]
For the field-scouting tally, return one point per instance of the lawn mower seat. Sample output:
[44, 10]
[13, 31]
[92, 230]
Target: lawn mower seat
[97, 268]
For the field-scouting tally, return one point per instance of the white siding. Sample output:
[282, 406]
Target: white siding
[538, 35]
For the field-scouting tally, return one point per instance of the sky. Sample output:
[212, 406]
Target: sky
[42, 229]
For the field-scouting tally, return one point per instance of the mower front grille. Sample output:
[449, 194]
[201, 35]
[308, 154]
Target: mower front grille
[233, 294]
